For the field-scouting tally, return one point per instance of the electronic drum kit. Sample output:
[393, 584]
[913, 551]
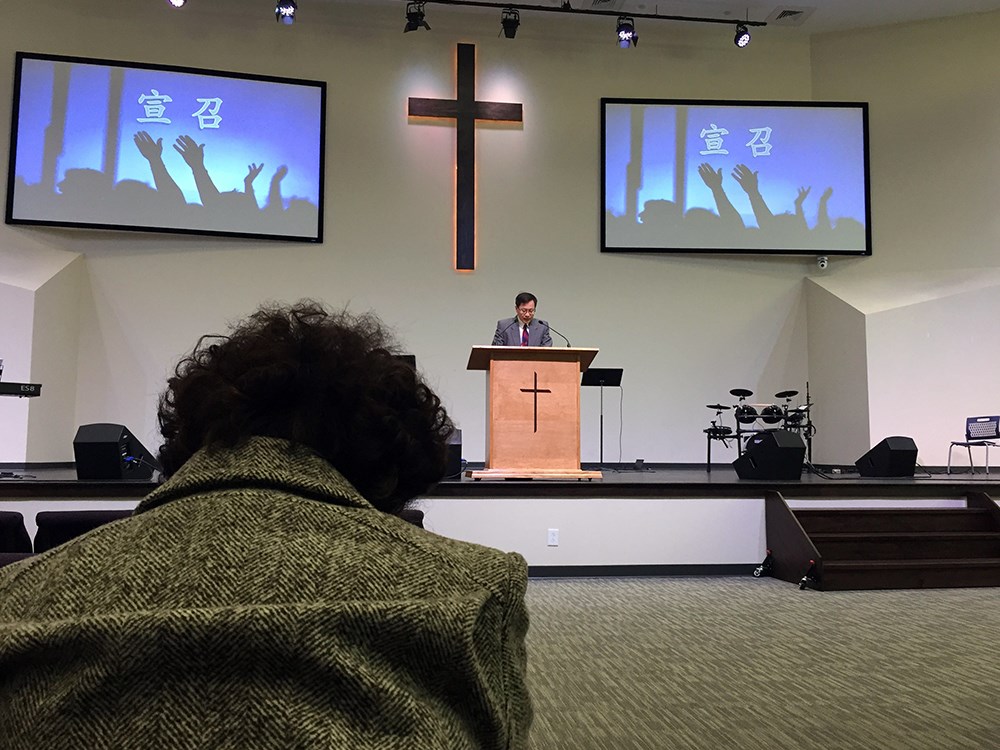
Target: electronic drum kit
[773, 416]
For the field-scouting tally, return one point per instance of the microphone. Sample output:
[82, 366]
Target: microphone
[556, 332]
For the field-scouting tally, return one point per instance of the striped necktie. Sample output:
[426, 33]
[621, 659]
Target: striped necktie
[524, 336]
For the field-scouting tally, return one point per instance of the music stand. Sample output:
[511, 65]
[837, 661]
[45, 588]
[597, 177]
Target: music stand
[600, 377]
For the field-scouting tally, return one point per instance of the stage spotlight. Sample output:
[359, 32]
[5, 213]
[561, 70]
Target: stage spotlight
[415, 17]
[510, 19]
[742, 38]
[284, 11]
[177, 3]
[626, 32]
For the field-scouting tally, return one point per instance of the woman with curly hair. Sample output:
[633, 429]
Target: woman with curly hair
[267, 594]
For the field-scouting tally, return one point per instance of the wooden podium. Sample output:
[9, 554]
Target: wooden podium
[533, 402]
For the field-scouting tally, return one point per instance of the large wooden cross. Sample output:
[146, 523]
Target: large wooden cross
[465, 110]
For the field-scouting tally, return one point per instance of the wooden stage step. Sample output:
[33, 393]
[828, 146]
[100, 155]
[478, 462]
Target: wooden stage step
[888, 519]
[907, 545]
[885, 548]
[856, 575]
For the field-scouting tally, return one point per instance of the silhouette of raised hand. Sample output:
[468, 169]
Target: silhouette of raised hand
[149, 148]
[252, 171]
[746, 178]
[152, 151]
[713, 179]
[799, 200]
[823, 214]
[710, 177]
[274, 200]
[193, 153]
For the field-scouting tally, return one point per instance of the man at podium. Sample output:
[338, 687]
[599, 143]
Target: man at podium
[523, 329]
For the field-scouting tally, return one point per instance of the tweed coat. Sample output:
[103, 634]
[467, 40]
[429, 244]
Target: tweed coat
[256, 600]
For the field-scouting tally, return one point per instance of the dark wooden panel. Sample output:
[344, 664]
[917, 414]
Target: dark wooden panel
[791, 549]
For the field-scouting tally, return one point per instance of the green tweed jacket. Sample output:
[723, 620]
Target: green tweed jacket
[256, 600]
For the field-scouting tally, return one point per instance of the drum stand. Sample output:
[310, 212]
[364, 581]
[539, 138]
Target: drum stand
[716, 432]
[793, 419]
[745, 414]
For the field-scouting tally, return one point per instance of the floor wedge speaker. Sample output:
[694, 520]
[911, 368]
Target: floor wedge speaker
[894, 457]
[110, 451]
[772, 455]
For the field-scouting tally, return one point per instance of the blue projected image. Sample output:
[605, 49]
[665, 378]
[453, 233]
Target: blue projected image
[123, 145]
[735, 177]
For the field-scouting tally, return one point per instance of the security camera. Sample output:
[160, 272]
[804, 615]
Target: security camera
[822, 261]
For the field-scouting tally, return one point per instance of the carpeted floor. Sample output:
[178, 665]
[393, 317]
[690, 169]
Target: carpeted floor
[745, 663]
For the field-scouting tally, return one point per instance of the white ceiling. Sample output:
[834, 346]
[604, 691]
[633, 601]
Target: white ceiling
[817, 16]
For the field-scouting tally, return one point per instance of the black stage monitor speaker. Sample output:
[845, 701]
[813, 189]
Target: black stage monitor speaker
[894, 457]
[772, 455]
[110, 451]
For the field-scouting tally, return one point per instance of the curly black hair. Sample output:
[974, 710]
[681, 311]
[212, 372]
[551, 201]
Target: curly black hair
[329, 381]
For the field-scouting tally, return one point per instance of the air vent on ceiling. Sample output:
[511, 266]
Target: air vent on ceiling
[789, 15]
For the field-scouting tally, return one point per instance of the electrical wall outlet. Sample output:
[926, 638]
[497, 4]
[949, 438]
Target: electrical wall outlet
[553, 538]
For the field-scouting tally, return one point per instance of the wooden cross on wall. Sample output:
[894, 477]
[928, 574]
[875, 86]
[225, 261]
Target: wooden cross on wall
[465, 110]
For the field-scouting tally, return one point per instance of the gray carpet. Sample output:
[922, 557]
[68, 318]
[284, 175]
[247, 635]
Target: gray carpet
[746, 663]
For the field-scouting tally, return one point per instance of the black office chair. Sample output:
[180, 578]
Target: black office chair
[980, 432]
[58, 526]
[15, 544]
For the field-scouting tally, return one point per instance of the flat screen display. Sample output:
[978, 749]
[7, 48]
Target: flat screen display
[121, 145]
[699, 176]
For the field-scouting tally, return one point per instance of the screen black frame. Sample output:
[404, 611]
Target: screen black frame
[21, 56]
[861, 106]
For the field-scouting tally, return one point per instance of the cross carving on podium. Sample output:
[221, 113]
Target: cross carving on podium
[465, 110]
[536, 390]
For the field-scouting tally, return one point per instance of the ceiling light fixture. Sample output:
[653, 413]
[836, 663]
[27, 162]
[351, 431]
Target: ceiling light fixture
[415, 14]
[742, 38]
[510, 19]
[626, 32]
[284, 11]
[177, 3]
[415, 17]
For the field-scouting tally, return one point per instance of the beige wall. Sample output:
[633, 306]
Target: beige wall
[685, 329]
[838, 369]
[935, 137]
[928, 292]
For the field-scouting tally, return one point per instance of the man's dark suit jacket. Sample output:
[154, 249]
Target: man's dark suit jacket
[509, 333]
